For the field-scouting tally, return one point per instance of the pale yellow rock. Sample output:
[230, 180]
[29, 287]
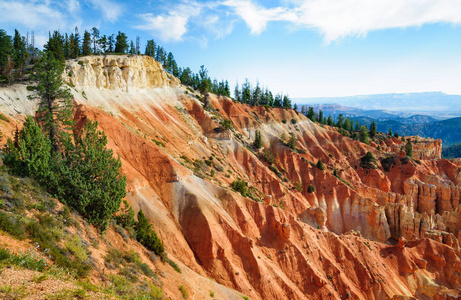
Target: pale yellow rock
[117, 72]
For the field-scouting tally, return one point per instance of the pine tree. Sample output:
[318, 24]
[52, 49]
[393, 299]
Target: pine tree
[6, 49]
[20, 54]
[147, 236]
[55, 107]
[363, 135]
[320, 117]
[29, 155]
[311, 114]
[76, 45]
[86, 45]
[55, 46]
[95, 35]
[258, 141]
[292, 141]
[121, 43]
[150, 49]
[286, 102]
[372, 129]
[340, 121]
[91, 179]
[409, 149]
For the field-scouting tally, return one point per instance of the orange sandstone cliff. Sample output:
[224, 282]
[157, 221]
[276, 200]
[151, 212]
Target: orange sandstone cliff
[389, 230]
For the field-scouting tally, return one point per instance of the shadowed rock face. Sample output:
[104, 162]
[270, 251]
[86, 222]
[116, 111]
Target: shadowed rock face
[334, 240]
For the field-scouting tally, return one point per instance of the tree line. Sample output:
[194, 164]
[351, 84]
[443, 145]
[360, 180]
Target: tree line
[260, 96]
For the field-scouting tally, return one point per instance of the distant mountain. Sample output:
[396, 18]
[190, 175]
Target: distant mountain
[449, 131]
[453, 151]
[436, 104]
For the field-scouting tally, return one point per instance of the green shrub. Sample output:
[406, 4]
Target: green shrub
[126, 216]
[240, 186]
[226, 124]
[174, 265]
[320, 165]
[284, 121]
[147, 236]
[311, 188]
[183, 291]
[368, 161]
[12, 225]
[293, 121]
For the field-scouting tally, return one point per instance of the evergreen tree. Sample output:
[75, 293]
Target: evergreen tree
[103, 43]
[237, 96]
[292, 141]
[20, 54]
[295, 107]
[29, 155]
[86, 45]
[91, 180]
[258, 141]
[256, 96]
[320, 117]
[121, 43]
[286, 102]
[55, 107]
[340, 121]
[347, 123]
[54, 46]
[358, 126]
[320, 165]
[95, 36]
[6, 49]
[76, 45]
[311, 114]
[205, 84]
[363, 135]
[390, 132]
[278, 100]
[186, 76]
[66, 47]
[246, 92]
[111, 44]
[372, 129]
[132, 48]
[330, 121]
[150, 49]
[409, 149]
[147, 236]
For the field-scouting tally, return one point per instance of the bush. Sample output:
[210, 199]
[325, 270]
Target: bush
[368, 161]
[284, 121]
[226, 124]
[311, 188]
[147, 236]
[183, 291]
[125, 217]
[320, 165]
[11, 225]
[240, 186]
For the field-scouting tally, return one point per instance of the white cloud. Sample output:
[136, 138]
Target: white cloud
[173, 25]
[256, 16]
[111, 10]
[167, 27]
[336, 19]
[31, 15]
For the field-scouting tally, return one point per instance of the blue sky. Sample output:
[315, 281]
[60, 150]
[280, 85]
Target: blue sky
[306, 48]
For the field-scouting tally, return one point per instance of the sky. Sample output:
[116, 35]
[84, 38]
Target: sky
[303, 48]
